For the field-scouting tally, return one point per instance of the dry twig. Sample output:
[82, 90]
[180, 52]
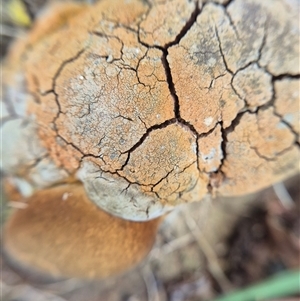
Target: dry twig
[208, 252]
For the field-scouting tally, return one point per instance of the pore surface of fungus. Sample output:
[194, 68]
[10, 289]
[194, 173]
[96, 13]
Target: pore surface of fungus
[151, 104]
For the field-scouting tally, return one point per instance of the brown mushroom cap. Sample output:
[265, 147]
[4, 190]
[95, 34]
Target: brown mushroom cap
[151, 105]
[61, 233]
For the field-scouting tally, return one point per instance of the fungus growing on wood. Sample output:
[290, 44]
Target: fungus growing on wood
[149, 106]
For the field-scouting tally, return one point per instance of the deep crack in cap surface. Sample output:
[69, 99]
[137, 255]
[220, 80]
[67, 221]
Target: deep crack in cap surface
[154, 104]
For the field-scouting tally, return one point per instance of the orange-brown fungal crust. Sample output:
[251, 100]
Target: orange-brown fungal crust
[61, 233]
[263, 145]
[211, 155]
[151, 104]
[286, 103]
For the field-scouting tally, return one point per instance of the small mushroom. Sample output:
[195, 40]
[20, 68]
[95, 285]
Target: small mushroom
[61, 233]
[150, 106]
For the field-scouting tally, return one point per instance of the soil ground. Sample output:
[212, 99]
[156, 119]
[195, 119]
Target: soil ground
[202, 250]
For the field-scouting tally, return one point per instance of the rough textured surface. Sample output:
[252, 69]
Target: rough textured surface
[287, 94]
[154, 104]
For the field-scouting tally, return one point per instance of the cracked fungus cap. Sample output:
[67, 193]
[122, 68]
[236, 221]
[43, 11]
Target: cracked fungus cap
[154, 104]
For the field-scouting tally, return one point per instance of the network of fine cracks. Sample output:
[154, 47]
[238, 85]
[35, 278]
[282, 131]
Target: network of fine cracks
[177, 119]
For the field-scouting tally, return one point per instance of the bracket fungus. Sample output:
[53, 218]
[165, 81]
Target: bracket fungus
[150, 104]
